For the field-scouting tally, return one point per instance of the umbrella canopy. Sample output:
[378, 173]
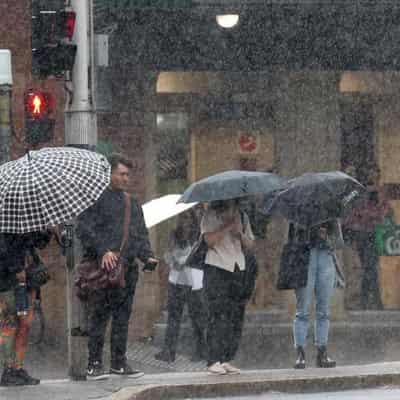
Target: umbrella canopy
[163, 208]
[313, 198]
[49, 186]
[230, 185]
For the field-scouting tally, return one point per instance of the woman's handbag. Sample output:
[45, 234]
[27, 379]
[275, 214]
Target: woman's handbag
[90, 276]
[250, 275]
[293, 269]
[37, 273]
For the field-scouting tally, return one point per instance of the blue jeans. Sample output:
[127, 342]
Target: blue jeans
[321, 281]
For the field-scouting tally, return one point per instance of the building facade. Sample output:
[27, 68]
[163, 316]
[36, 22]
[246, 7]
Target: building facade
[294, 87]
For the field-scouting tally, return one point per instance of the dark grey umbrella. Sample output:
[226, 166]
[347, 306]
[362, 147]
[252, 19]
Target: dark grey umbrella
[313, 198]
[230, 185]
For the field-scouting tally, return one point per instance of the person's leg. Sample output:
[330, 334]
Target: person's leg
[98, 316]
[121, 308]
[217, 291]
[198, 316]
[304, 298]
[237, 319]
[22, 335]
[372, 260]
[370, 292]
[176, 302]
[13, 342]
[8, 329]
[324, 289]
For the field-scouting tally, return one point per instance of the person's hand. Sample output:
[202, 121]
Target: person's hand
[21, 276]
[109, 261]
[150, 265]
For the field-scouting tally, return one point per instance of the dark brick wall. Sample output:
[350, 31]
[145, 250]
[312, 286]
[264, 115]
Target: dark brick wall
[15, 35]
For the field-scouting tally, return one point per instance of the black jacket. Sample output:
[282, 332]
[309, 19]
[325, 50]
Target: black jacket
[13, 249]
[295, 257]
[100, 228]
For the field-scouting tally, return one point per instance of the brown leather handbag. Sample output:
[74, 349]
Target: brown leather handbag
[89, 276]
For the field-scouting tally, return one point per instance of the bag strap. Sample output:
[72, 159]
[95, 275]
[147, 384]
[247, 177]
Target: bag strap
[127, 220]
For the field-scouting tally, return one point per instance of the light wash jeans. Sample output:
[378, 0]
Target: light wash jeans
[321, 281]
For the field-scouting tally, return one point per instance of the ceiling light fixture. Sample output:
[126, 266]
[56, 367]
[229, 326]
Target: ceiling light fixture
[227, 21]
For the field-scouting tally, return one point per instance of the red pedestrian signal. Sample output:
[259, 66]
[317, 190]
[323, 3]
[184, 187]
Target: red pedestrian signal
[38, 120]
[69, 18]
[36, 104]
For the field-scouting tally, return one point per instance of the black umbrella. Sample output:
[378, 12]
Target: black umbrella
[313, 198]
[230, 185]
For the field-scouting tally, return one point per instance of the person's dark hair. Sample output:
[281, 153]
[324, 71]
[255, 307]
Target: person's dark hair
[116, 158]
[221, 205]
[178, 234]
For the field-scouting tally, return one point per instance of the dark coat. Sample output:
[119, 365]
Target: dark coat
[295, 258]
[100, 228]
[13, 250]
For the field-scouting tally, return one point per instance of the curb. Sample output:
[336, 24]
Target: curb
[252, 383]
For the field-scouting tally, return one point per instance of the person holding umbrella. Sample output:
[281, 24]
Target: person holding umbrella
[313, 203]
[227, 233]
[16, 311]
[321, 274]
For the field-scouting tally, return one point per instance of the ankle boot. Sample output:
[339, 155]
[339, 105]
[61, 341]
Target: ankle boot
[301, 358]
[323, 361]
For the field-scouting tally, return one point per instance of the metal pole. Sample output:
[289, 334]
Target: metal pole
[80, 116]
[80, 131]
[5, 123]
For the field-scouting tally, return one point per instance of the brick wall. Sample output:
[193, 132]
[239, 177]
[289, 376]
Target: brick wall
[15, 35]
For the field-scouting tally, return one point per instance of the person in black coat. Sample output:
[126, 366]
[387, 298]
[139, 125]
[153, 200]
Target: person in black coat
[100, 229]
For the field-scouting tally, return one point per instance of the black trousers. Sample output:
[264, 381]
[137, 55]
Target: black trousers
[115, 304]
[370, 291]
[178, 296]
[226, 311]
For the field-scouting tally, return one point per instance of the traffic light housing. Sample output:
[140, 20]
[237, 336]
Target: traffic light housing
[52, 50]
[39, 122]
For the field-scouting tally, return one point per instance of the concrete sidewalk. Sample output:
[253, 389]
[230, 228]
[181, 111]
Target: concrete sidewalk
[178, 385]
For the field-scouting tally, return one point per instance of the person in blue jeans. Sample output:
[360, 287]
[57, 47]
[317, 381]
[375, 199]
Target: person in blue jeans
[322, 276]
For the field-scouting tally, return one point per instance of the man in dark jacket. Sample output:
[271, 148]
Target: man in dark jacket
[100, 229]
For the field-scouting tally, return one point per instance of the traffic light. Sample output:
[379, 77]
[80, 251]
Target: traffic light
[52, 50]
[39, 123]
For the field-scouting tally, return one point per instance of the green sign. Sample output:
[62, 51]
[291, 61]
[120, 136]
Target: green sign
[387, 238]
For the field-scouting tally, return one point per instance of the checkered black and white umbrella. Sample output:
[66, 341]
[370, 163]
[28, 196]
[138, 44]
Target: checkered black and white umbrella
[49, 186]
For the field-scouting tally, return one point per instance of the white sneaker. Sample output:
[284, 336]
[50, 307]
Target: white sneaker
[230, 369]
[216, 369]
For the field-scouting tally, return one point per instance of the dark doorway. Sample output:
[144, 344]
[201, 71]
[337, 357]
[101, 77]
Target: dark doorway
[358, 138]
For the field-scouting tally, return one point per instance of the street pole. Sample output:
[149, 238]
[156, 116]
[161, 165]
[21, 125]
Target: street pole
[5, 123]
[80, 131]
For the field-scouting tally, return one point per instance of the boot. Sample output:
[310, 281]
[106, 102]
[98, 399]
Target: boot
[17, 377]
[301, 358]
[323, 361]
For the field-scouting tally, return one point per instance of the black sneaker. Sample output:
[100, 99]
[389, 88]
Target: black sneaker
[17, 377]
[125, 370]
[95, 372]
